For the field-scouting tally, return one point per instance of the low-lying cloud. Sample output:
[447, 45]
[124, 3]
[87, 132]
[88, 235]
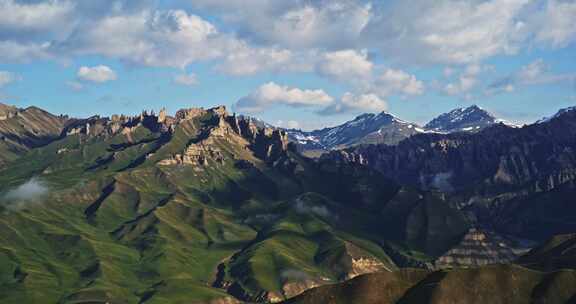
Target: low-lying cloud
[303, 207]
[25, 195]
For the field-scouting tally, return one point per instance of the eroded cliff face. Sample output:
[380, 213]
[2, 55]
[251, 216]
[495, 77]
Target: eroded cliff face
[266, 143]
[25, 129]
[217, 126]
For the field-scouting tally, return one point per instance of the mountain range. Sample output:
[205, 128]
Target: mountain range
[210, 207]
[385, 128]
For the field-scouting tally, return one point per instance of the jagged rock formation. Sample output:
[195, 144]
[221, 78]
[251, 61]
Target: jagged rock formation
[25, 129]
[266, 143]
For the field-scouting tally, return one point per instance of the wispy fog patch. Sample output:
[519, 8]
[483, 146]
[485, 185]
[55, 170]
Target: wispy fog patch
[262, 219]
[304, 207]
[294, 275]
[25, 195]
[441, 181]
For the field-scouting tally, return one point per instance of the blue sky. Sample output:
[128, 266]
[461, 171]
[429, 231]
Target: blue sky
[297, 63]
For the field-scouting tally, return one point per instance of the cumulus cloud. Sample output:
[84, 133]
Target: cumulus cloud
[555, 25]
[98, 74]
[33, 17]
[393, 81]
[534, 73]
[345, 64]
[273, 94]
[466, 80]
[7, 78]
[159, 38]
[448, 31]
[143, 32]
[334, 24]
[351, 103]
[241, 60]
[26, 195]
[186, 79]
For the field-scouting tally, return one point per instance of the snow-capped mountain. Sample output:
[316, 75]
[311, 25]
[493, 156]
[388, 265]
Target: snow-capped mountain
[385, 128]
[470, 119]
[364, 129]
[558, 114]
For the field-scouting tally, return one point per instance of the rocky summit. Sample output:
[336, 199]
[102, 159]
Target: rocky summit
[471, 119]
[205, 206]
[385, 128]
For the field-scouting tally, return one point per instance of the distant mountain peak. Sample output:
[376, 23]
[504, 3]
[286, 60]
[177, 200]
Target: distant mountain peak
[472, 118]
[558, 114]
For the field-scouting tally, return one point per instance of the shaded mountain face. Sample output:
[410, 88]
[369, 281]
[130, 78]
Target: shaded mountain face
[200, 207]
[364, 129]
[559, 252]
[546, 274]
[471, 119]
[25, 129]
[487, 284]
[519, 181]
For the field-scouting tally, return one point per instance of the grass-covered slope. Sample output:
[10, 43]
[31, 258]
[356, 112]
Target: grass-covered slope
[194, 209]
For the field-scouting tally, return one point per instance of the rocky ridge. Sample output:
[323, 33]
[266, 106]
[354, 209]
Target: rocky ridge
[498, 177]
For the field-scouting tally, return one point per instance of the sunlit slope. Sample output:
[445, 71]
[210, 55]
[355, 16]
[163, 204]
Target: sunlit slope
[197, 208]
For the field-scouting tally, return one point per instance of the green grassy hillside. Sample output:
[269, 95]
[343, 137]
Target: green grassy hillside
[198, 209]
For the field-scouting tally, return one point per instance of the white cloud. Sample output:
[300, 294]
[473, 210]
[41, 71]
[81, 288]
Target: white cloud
[7, 78]
[556, 24]
[170, 38]
[351, 103]
[453, 32]
[466, 81]
[334, 24]
[26, 195]
[292, 124]
[534, 73]
[268, 35]
[393, 81]
[241, 59]
[186, 79]
[273, 94]
[34, 16]
[75, 85]
[345, 64]
[99, 74]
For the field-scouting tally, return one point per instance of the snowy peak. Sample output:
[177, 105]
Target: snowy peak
[367, 128]
[470, 119]
[560, 113]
